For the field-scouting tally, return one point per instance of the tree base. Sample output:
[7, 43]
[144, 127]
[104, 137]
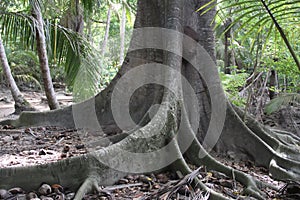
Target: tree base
[103, 166]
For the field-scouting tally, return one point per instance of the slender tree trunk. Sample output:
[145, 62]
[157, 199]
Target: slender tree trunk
[20, 102]
[43, 57]
[272, 85]
[122, 34]
[228, 57]
[103, 48]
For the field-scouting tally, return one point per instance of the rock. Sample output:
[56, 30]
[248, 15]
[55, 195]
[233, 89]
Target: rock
[21, 197]
[7, 139]
[66, 149]
[63, 155]
[31, 195]
[70, 196]
[60, 197]
[4, 194]
[79, 146]
[42, 152]
[16, 190]
[16, 137]
[45, 189]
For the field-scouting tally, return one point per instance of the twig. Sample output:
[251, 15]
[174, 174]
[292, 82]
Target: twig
[59, 141]
[115, 187]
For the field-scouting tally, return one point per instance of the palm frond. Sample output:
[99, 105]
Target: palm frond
[65, 47]
[87, 80]
[18, 28]
[72, 51]
[257, 15]
[282, 101]
[26, 78]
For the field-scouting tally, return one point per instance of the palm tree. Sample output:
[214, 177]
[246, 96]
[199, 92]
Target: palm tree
[42, 53]
[20, 102]
[64, 46]
[122, 33]
[106, 35]
[150, 143]
[262, 15]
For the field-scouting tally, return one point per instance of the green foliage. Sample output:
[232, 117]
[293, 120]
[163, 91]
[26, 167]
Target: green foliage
[264, 37]
[71, 56]
[24, 66]
[258, 17]
[17, 28]
[232, 84]
[65, 47]
[86, 81]
[284, 100]
[108, 71]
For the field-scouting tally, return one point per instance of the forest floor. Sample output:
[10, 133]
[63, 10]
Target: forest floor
[39, 145]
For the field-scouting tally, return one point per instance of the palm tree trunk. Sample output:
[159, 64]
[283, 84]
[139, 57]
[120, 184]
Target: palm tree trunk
[43, 58]
[106, 31]
[20, 102]
[122, 34]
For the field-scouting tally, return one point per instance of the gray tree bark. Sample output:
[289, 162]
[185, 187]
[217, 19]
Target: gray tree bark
[171, 125]
[20, 102]
[122, 34]
[43, 57]
[103, 48]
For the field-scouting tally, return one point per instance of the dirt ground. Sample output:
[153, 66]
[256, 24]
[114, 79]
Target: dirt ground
[36, 99]
[39, 145]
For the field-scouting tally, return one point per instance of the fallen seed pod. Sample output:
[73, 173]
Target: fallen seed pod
[4, 194]
[45, 189]
[31, 195]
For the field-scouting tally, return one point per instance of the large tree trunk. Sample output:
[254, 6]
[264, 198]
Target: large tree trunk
[165, 101]
[20, 102]
[43, 57]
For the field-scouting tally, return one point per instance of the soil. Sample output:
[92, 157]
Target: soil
[36, 98]
[38, 145]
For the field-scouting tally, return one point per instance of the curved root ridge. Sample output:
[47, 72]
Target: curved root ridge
[88, 185]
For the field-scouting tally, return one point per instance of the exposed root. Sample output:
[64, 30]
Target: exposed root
[106, 165]
[266, 146]
[182, 166]
[23, 106]
[198, 156]
[278, 142]
[252, 185]
[88, 185]
[61, 117]
[151, 137]
[284, 169]
[287, 138]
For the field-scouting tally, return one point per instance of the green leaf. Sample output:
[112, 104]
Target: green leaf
[282, 101]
